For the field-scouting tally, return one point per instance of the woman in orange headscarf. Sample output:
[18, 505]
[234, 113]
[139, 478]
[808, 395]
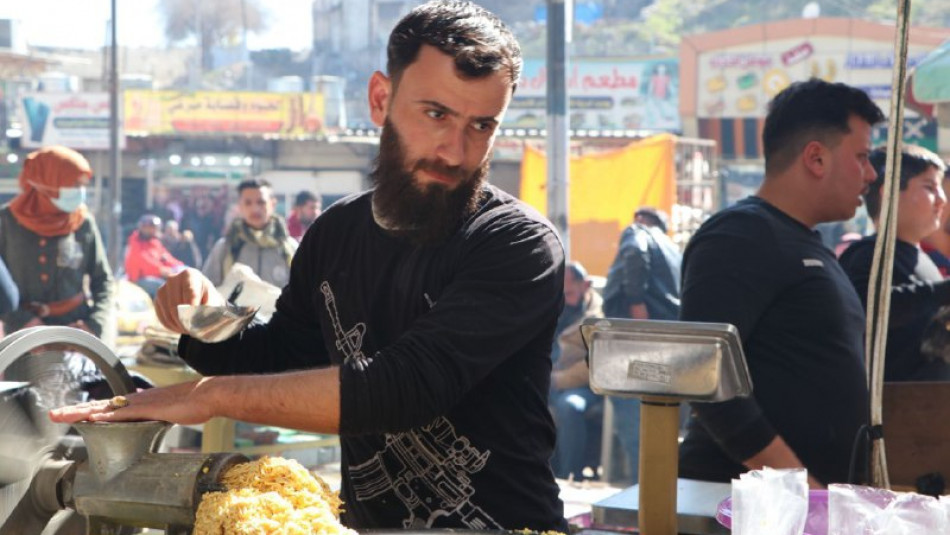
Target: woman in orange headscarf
[50, 242]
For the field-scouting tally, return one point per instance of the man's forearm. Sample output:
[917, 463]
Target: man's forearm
[306, 400]
[779, 455]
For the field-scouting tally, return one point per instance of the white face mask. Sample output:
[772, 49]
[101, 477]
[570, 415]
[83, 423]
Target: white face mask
[69, 200]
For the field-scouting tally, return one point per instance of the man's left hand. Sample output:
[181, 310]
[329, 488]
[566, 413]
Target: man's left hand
[183, 403]
[80, 324]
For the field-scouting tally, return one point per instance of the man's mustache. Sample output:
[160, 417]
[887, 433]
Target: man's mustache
[454, 171]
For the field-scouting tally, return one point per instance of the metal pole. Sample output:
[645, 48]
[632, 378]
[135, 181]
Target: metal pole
[246, 58]
[149, 183]
[659, 459]
[559, 16]
[115, 167]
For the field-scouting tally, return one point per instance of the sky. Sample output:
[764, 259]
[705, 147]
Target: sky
[82, 23]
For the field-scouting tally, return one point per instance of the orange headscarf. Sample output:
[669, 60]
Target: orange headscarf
[55, 167]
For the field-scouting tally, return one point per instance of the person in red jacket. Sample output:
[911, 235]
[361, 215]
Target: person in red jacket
[147, 262]
[307, 206]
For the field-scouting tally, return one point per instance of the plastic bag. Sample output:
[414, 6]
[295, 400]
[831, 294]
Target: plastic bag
[770, 502]
[854, 509]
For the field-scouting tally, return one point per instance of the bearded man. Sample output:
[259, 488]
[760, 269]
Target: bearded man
[419, 316]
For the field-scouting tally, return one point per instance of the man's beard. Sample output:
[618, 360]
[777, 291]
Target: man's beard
[426, 215]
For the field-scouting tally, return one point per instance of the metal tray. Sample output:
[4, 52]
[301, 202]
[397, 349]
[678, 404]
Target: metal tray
[676, 359]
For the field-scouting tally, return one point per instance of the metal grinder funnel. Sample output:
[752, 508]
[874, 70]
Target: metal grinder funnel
[125, 482]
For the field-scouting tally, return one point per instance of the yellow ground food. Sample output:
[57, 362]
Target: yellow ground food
[272, 496]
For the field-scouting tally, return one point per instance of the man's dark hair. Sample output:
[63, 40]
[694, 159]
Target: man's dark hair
[653, 217]
[914, 161]
[478, 40]
[150, 220]
[304, 197]
[577, 270]
[813, 110]
[253, 183]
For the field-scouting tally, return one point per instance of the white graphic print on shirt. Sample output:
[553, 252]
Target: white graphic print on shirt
[428, 470]
[350, 342]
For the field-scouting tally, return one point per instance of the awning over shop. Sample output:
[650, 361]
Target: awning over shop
[13, 65]
[931, 78]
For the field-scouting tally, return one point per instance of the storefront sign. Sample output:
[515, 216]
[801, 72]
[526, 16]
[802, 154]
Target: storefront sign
[220, 112]
[739, 81]
[76, 120]
[616, 95]
[919, 131]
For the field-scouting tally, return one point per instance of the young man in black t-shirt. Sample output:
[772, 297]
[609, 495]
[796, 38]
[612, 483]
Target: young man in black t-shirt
[420, 314]
[760, 266]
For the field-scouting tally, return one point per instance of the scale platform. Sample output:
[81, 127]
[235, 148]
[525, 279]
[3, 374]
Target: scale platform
[696, 505]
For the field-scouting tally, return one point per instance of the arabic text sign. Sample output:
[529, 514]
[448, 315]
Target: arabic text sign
[740, 80]
[76, 120]
[603, 95]
[215, 112]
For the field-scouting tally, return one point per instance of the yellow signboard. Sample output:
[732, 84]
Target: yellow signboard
[223, 112]
[606, 189]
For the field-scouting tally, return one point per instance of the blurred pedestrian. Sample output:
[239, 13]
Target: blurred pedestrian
[918, 289]
[203, 223]
[181, 244]
[643, 282]
[50, 243]
[147, 262]
[937, 244]
[257, 238]
[307, 207]
[572, 401]
[9, 294]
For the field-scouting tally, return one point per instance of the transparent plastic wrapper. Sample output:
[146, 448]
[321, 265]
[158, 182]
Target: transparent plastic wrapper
[853, 509]
[770, 502]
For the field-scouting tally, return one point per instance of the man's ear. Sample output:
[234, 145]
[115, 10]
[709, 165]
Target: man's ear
[815, 158]
[380, 92]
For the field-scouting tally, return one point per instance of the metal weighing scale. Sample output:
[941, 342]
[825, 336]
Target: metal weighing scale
[664, 363]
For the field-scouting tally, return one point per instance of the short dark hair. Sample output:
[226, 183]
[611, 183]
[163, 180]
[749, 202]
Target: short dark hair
[253, 183]
[653, 217]
[914, 161]
[150, 220]
[478, 40]
[577, 271]
[304, 197]
[809, 111]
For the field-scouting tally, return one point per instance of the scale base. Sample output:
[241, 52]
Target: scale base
[696, 505]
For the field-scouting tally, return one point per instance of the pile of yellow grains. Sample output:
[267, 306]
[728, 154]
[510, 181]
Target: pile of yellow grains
[271, 495]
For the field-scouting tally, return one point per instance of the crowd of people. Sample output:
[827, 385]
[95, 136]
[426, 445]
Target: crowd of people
[53, 264]
[436, 311]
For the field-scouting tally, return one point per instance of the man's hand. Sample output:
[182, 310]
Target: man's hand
[183, 403]
[35, 322]
[80, 324]
[779, 455]
[639, 311]
[189, 287]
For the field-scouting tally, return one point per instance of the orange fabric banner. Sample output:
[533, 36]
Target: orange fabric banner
[605, 189]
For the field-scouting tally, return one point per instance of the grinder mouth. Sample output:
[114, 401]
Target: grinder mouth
[212, 471]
